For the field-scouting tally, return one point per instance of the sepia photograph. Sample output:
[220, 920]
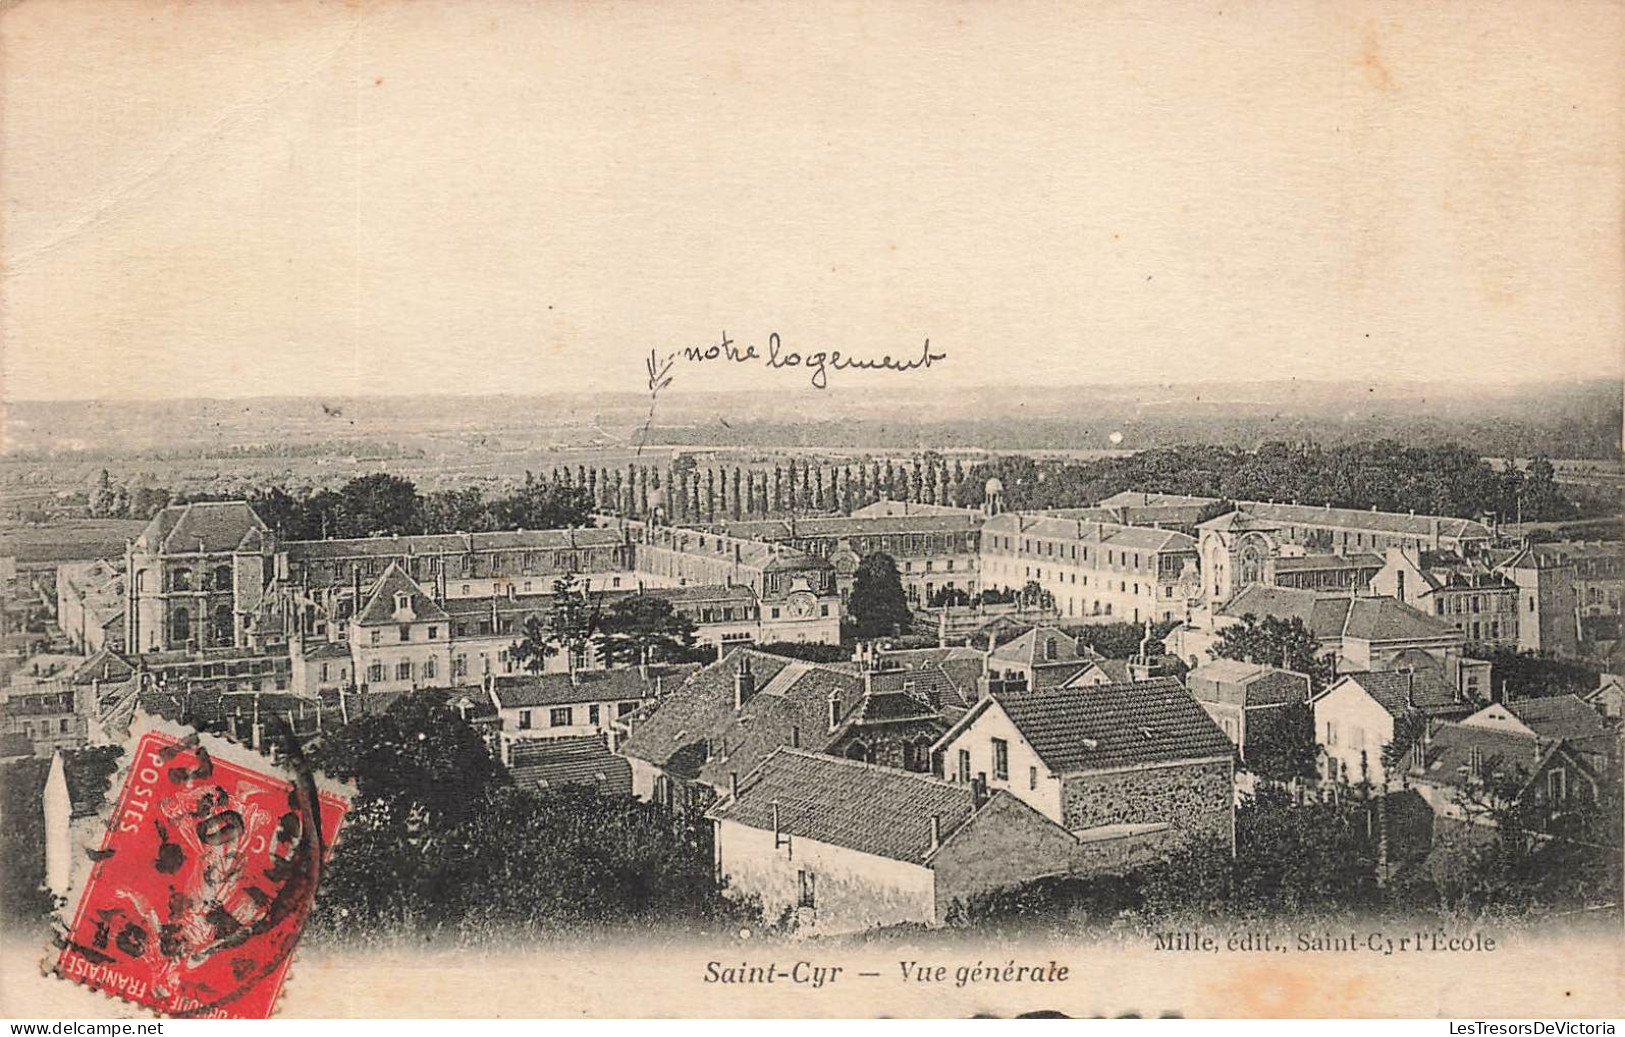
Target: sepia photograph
[721, 510]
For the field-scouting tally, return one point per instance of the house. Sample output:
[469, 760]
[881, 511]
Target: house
[1609, 696]
[1355, 718]
[1557, 718]
[1043, 657]
[1465, 592]
[1096, 758]
[1357, 633]
[1548, 599]
[1234, 692]
[847, 846]
[726, 719]
[400, 637]
[586, 703]
[584, 761]
[1464, 771]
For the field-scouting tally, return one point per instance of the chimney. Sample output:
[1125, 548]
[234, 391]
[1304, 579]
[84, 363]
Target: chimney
[1410, 688]
[795, 737]
[744, 682]
[733, 784]
[978, 787]
[936, 832]
[834, 710]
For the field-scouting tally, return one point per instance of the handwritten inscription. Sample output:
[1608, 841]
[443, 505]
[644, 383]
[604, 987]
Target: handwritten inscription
[779, 357]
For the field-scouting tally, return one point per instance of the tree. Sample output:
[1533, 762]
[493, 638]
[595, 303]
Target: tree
[419, 761]
[569, 626]
[877, 606]
[1281, 743]
[1283, 643]
[378, 505]
[645, 629]
[1034, 596]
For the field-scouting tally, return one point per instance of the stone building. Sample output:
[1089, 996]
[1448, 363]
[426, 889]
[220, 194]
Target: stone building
[844, 846]
[1140, 761]
[1093, 571]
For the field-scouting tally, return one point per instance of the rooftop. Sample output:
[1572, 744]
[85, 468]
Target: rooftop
[863, 807]
[1112, 725]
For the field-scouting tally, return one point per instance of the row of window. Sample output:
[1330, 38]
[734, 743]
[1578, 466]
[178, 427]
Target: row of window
[1076, 553]
[565, 716]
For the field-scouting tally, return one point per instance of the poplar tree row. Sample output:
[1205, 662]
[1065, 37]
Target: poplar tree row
[720, 493]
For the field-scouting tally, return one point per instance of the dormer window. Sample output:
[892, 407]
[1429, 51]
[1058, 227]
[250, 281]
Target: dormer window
[403, 601]
[1049, 649]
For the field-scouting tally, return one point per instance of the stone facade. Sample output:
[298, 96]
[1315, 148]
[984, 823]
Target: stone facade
[1194, 798]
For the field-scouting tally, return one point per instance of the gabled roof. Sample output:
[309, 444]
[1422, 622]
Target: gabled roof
[1033, 649]
[1101, 534]
[453, 543]
[558, 689]
[380, 607]
[106, 666]
[1564, 717]
[1362, 618]
[1237, 521]
[556, 762]
[213, 527]
[1389, 619]
[1250, 685]
[1450, 750]
[863, 807]
[1420, 526]
[1405, 691]
[1109, 725]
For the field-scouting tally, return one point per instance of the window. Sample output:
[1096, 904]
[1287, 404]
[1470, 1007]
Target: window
[1557, 783]
[1032, 777]
[1331, 732]
[324, 672]
[964, 766]
[823, 610]
[623, 708]
[1001, 759]
[403, 670]
[459, 666]
[465, 588]
[560, 717]
[406, 634]
[775, 612]
[434, 633]
[429, 669]
[375, 672]
[373, 639]
[62, 725]
[808, 897]
[1357, 739]
[592, 714]
[524, 720]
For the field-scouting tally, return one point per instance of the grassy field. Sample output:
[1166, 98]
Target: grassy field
[68, 540]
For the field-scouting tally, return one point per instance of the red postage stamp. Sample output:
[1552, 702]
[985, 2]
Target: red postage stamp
[202, 883]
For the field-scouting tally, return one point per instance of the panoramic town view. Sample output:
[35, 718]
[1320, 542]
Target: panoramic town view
[890, 666]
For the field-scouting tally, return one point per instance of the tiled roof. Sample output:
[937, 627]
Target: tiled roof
[1030, 649]
[15, 743]
[1142, 499]
[380, 607]
[1232, 521]
[453, 543]
[703, 592]
[1420, 526]
[1559, 716]
[213, 527]
[1364, 618]
[1322, 615]
[1246, 684]
[863, 807]
[839, 527]
[1403, 691]
[319, 650]
[106, 666]
[1449, 754]
[557, 689]
[1105, 534]
[557, 762]
[790, 697]
[1114, 725]
[1389, 619]
[1319, 562]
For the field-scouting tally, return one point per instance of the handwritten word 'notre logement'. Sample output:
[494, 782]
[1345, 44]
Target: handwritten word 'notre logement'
[777, 358]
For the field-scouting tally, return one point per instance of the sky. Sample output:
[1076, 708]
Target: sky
[239, 199]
